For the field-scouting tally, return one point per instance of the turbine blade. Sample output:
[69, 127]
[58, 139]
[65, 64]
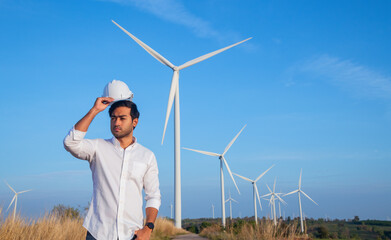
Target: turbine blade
[309, 197]
[300, 178]
[233, 140]
[13, 199]
[206, 56]
[153, 53]
[25, 191]
[268, 188]
[295, 191]
[171, 96]
[259, 200]
[263, 174]
[280, 199]
[247, 179]
[230, 173]
[10, 187]
[203, 152]
[234, 200]
[266, 195]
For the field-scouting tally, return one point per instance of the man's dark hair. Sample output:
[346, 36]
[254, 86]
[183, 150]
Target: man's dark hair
[126, 103]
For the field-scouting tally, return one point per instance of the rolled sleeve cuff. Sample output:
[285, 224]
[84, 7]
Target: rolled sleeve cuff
[77, 135]
[155, 203]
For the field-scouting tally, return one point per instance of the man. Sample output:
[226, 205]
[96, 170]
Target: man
[120, 168]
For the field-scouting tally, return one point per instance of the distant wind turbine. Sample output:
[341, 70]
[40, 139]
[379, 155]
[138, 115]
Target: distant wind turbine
[213, 211]
[222, 160]
[255, 191]
[298, 191]
[15, 198]
[174, 94]
[230, 199]
[273, 196]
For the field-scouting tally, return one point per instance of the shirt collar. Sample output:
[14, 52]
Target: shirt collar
[116, 143]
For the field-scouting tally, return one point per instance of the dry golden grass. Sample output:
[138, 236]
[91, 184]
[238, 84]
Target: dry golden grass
[54, 227]
[165, 229]
[48, 227]
[247, 231]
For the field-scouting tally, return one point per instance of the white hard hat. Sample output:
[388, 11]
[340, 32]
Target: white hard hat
[118, 90]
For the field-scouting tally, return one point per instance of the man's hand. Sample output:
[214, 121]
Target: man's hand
[143, 234]
[101, 103]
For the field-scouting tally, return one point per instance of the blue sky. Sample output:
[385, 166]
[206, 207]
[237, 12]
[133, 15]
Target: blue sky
[313, 87]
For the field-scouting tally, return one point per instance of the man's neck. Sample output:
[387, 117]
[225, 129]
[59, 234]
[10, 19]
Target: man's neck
[126, 141]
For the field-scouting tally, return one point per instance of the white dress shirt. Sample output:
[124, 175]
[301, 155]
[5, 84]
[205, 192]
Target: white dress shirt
[118, 177]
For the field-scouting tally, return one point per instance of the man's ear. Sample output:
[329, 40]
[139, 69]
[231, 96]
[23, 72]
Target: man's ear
[134, 123]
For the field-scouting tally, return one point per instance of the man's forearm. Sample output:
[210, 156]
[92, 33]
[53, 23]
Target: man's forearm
[84, 123]
[151, 214]
[145, 232]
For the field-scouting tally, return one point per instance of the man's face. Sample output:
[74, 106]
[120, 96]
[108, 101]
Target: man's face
[122, 123]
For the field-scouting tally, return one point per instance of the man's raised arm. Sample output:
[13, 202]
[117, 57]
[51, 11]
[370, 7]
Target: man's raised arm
[74, 142]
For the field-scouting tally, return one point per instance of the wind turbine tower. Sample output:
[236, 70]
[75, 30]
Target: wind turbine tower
[171, 209]
[174, 94]
[279, 208]
[222, 161]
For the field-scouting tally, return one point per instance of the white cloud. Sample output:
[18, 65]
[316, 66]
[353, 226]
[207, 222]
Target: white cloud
[357, 79]
[174, 11]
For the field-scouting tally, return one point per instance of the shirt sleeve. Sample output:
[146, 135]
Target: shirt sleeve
[79, 147]
[151, 185]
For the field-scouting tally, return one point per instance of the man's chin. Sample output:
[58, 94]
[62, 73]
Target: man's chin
[120, 135]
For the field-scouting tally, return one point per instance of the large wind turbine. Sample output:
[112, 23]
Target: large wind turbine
[15, 198]
[298, 191]
[255, 191]
[222, 160]
[273, 196]
[230, 199]
[174, 93]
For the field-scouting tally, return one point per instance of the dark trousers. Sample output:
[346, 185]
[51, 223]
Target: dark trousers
[90, 237]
